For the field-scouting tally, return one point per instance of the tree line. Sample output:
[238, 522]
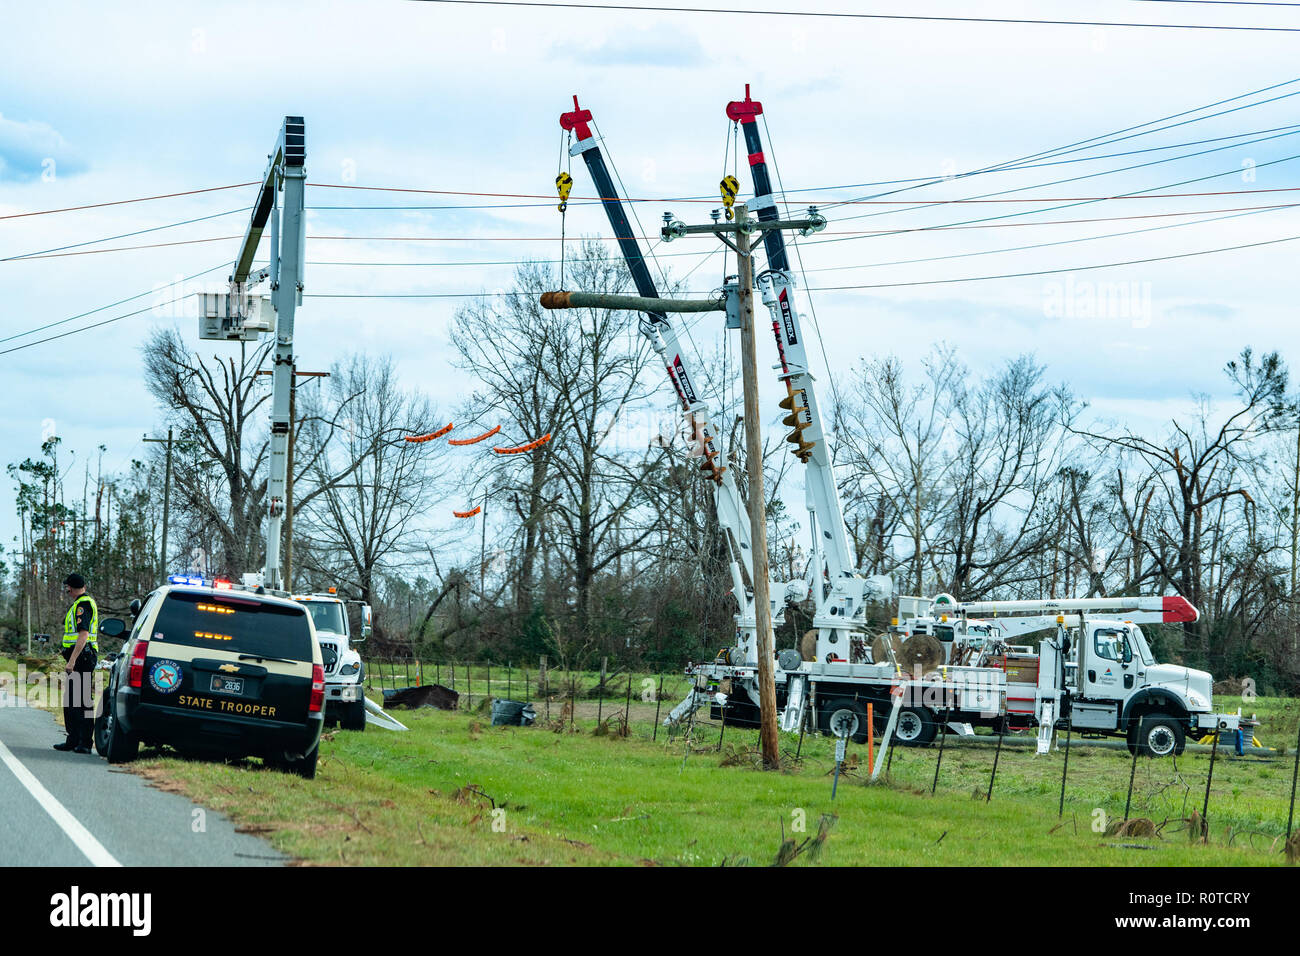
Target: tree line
[983, 483]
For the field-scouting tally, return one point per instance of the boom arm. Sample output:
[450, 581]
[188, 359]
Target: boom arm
[733, 517]
[840, 610]
[776, 287]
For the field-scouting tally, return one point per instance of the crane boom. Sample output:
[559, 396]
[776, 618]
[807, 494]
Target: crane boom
[659, 330]
[840, 608]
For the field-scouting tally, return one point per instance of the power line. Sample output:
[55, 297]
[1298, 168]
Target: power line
[991, 197]
[126, 235]
[96, 325]
[1113, 136]
[111, 305]
[122, 202]
[867, 16]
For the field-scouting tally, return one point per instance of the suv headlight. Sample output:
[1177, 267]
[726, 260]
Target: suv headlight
[349, 669]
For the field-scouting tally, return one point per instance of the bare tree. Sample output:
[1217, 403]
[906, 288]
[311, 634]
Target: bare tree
[365, 488]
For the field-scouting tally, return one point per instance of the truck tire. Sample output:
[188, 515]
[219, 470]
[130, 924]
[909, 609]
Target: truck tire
[853, 713]
[916, 727]
[1161, 736]
[304, 766]
[352, 716]
[113, 743]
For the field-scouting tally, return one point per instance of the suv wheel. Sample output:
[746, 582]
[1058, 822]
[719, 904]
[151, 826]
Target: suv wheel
[1161, 736]
[112, 742]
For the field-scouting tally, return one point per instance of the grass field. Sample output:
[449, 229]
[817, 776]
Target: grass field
[455, 790]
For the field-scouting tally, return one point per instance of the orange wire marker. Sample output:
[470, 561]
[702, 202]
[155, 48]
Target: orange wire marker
[536, 443]
[432, 435]
[468, 514]
[474, 441]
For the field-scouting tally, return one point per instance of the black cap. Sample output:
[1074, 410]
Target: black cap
[75, 580]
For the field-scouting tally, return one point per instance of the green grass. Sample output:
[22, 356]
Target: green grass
[579, 798]
[426, 797]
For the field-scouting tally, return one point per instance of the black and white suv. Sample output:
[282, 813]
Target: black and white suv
[216, 672]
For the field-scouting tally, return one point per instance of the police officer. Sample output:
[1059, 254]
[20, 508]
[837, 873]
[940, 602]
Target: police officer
[81, 651]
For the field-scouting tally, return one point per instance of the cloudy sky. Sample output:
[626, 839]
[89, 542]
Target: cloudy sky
[98, 105]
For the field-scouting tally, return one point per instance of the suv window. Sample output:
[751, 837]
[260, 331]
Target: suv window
[232, 623]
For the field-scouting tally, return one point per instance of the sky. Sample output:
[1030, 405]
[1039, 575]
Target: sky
[97, 106]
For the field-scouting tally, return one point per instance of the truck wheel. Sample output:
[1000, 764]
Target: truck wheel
[114, 743]
[353, 716]
[1161, 736]
[304, 766]
[916, 727]
[846, 714]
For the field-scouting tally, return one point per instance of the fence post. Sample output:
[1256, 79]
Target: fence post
[994, 775]
[943, 737]
[871, 737]
[452, 665]
[489, 682]
[659, 696]
[1131, 774]
[1205, 810]
[627, 706]
[1069, 727]
[510, 680]
[600, 691]
[469, 684]
[1295, 770]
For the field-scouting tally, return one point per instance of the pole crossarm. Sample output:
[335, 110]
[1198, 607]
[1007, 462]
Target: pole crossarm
[631, 303]
[678, 230]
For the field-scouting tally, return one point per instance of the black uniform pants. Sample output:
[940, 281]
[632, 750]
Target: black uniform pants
[78, 697]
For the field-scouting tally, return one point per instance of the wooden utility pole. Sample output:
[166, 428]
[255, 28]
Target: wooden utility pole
[167, 501]
[757, 499]
[739, 232]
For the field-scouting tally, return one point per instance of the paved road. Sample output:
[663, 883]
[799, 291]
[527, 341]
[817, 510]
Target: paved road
[67, 809]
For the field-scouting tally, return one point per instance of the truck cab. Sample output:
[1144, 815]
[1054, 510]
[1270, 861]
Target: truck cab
[345, 701]
[1116, 685]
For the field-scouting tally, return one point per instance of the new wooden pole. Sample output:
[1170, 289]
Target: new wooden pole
[757, 500]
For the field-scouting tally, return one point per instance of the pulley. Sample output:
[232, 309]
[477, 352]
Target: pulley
[564, 185]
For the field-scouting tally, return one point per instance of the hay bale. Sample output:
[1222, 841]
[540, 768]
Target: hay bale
[1137, 827]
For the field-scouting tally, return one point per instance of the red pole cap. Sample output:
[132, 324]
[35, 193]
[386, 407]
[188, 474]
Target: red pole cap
[741, 111]
[577, 120]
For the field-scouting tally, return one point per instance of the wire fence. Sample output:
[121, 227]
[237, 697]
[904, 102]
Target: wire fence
[1209, 793]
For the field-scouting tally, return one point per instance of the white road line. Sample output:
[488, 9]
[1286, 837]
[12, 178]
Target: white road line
[85, 840]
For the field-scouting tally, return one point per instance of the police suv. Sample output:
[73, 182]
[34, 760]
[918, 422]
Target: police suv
[215, 671]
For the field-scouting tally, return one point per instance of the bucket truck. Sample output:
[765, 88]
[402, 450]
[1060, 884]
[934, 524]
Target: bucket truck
[1097, 672]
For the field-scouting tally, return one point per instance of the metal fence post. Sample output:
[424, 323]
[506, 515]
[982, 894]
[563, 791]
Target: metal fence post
[659, 696]
[1205, 809]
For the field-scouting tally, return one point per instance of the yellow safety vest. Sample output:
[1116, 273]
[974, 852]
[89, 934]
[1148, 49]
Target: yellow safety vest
[70, 624]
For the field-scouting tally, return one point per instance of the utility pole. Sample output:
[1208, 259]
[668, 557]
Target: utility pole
[288, 479]
[738, 301]
[167, 501]
[757, 497]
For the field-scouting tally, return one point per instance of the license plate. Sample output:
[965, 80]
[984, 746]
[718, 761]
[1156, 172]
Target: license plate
[227, 685]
